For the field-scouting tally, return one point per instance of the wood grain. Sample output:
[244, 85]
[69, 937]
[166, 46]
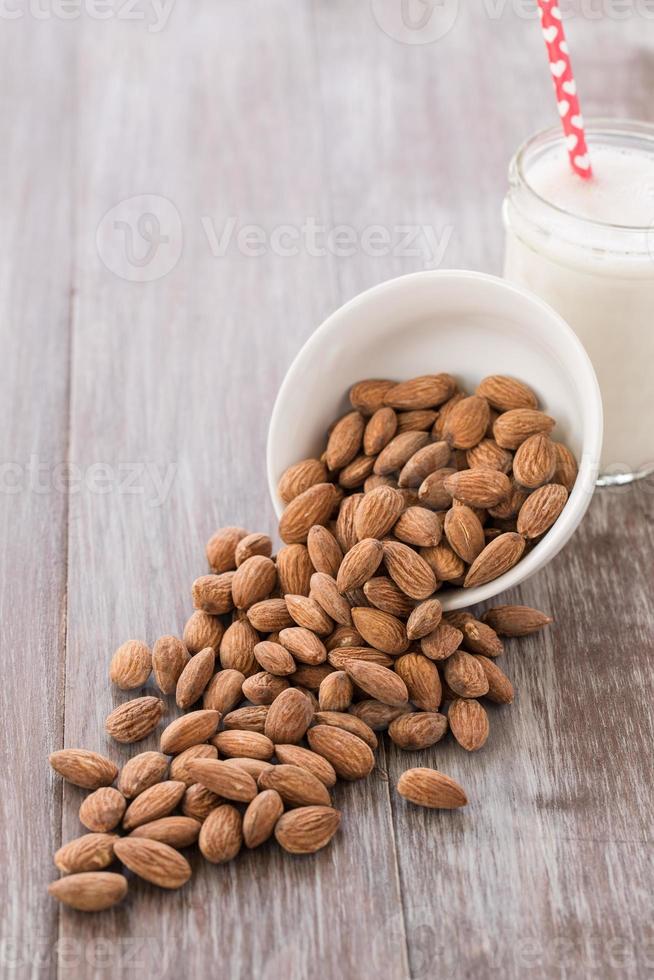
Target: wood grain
[278, 113]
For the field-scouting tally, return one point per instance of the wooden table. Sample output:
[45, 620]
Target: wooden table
[135, 417]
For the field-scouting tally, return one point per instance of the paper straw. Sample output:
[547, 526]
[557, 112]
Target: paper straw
[565, 87]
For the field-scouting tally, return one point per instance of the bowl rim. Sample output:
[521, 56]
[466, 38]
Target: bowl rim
[591, 442]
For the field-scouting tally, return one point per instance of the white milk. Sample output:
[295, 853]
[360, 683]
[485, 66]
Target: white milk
[587, 247]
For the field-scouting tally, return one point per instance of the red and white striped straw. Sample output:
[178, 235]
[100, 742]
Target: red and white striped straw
[565, 87]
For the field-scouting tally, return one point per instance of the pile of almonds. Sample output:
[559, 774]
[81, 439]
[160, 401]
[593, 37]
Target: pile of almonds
[291, 666]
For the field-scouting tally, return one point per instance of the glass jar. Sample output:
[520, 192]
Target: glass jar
[587, 248]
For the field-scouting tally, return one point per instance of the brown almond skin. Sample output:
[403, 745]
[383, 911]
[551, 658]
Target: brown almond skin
[343, 637]
[314, 506]
[345, 440]
[511, 428]
[297, 755]
[430, 458]
[90, 891]
[421, 418]
[91, 852]
[499, 555]
[304, 645]
[307, 829]
[198, 802]
[489, 455]
[251, 718]
[464, 533]
[424, 619]
[307, 613]
[340, 658]
[349, 723]
[274, 658]
[468, 723]
[102, 810]
[409, 571]
[263, 688]
[481, 638]
[253, 544]
[261, 816]
[335, 692]
[534, 462]
[81, 767]
[417, 730]
[376, 715]
[382, 593]
[237, 647]
[240, 744]
[224, 691]
[516, 620]
[422, 680]
[179, 766]
[201, 630]
[500, 688]
[356, 473]
[221, 835]
[155, 862]
[379, 682]
[134, 720]
[467, 422]
[324, 551]
[348, 754]
[566, 467]
[326, 592]
[441, 642]
[419, 526]
[174, 831]
[344, 531]
[253, 581]
[194, 678]
[432, 491]
[213, 593]
[444, 562]
[399, 451]
[380, 429]
[505, 393]
[465, 675]
[376, 513]
[299, 477]
[541, 509]
[230, 782]
[190, 729]
[479, 487]
[288, 717]
[295, 568]
[157, 801]
[297, 786]
[221, 548]
[269, 616]
[131, 665]
[381, 630]
[170, 657]
[368, 396]
[360, 564]
[426, 391]
[430, 788]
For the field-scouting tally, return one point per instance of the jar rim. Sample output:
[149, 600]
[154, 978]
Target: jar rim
[597, 126]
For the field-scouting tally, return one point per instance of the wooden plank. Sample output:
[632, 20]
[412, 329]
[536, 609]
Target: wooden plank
[35, 256]
[219, 118]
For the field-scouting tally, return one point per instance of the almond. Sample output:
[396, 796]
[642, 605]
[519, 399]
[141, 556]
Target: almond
[479, 487]
[297, 755]
[179, 767]
[92, 852]
[377, 513]
[213, 593]
[340, 658]
[481, 638]
[465, 675]
[409, 571]
[190, 729]
[307, 829]
[399, 451]
[134, 720]
[356, 473]
[313, 506]
[516, 620]
[438, 431]
[422, 680]
[381, 630]
[202, 630]
[295, 568]
[467, 422]
[153, 861]
[541, 509]
[306, 612]
[501, 554]
[424, 619]
[349, 723]
[429, 459]
[224, 690]
[513, 427]
[274, 658]
[335, 692]
[170, 656]
[427, 391]
[566, 467]
[83, 768]
[253, 544]
[238, 645]
[90, 891]
[419, 526]
[174, 831]
[376, 715]
[368, 396]
[295, 785]
[419, 419]
[157, 801]
[441, 642]
[289, 716]
[432, 492]
[198, 802]
[500, 688]
[379, 431]
[444, 562]
[263, 688]
[534, 462]
[358, 565]
[252, 718]
[221, 548]
[261, 816]
[253, 767]
[345, 441]
[325, 591]
[269, 616]
[349, 755]
[505, 393]
[488, 455]
[343, 637]
[430, 788]
[131, 665]
[324, 551]
[299, 477]
[468, 723]
[304, 645]
[221, 835]
[379, 682]
[464, 533]
[384, 594]
[344, 530]
[102, 810]
[253, 581]
[249, 745]
[228, 781]
[417, 730]
[195, 677]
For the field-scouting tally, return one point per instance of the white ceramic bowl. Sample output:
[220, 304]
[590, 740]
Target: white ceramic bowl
[469, 325]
